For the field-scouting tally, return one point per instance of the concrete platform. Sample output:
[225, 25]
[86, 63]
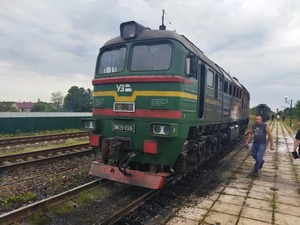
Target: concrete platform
[271, 198]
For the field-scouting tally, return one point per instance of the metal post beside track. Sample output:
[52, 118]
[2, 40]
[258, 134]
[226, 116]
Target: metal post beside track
[290, 102]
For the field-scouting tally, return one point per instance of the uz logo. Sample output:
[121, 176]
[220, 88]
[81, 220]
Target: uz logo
[123, 88]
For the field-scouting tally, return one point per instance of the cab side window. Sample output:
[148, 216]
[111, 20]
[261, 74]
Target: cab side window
[210, 78]
[225, 87]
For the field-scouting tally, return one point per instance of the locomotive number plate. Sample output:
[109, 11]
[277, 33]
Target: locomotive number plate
[123, 127]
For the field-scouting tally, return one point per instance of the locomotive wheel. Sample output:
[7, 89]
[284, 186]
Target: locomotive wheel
[180, 164]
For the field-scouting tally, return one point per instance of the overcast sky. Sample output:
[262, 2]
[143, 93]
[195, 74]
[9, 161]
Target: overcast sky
[51, 45]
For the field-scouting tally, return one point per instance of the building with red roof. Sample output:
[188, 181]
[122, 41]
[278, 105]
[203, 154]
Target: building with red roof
[23, 106]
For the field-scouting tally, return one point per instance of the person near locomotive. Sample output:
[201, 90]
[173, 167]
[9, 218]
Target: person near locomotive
[259, 133]
[297, 144]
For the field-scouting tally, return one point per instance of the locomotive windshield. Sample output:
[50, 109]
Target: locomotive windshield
[112, 61]
[151, 57]
[144, 58]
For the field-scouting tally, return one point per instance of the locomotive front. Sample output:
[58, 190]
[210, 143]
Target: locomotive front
[143, 100]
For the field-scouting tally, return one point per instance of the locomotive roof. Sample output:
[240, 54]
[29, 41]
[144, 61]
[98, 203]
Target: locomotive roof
[148, 34]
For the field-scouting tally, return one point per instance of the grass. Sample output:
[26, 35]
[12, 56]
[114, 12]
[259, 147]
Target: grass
[294, 123]
[39, 218]
[273, 205]
[65, 208]
[82, 199]
[85, 198]
[29, 196]
[90, 196]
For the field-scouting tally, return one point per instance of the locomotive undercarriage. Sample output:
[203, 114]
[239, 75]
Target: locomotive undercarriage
[201, 144]
[119, 162]
[204, 142]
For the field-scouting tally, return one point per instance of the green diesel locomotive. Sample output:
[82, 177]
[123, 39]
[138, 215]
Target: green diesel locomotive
[160, 106]
[264, 111]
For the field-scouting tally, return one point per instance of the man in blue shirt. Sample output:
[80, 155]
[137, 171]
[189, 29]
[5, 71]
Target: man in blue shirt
[259, 133]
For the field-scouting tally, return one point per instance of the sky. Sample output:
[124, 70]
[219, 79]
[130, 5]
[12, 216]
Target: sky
[49, 46]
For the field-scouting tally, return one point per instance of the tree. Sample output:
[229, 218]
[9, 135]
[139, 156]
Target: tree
[6, 107]
[78, 100]
[297, 110]
[57, 99]
[253, 110]
[42, 107]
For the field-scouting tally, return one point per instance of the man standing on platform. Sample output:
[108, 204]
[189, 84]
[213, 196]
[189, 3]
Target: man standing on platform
[259, 132]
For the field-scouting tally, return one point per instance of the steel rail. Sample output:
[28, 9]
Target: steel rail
[136, 203]
[46, 153]
[42, 152]
[130, 207]
[41, 138]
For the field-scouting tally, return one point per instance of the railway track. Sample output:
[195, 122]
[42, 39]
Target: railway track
[147, 205]
[21, 213]
[116, 217]
[47, 155]
[41, 138]
[24, 212]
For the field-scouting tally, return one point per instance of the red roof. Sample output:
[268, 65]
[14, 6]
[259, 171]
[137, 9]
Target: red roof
[24, 105]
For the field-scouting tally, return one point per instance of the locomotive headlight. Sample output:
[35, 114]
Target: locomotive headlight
[156, 129]
[130, 29]
[167, 130]
[164, 130]
[160, 129]
[89, 124]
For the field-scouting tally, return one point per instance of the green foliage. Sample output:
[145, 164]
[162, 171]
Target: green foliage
[40, 218]
[57, 99]
[64, 208]
[42, 107]
[85, 198]
[78, 100]
[297, 110]
[253, 110]
[6, 107]
[18, 198]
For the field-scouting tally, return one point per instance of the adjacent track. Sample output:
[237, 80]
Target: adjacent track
[41, 138]
[46, 155]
